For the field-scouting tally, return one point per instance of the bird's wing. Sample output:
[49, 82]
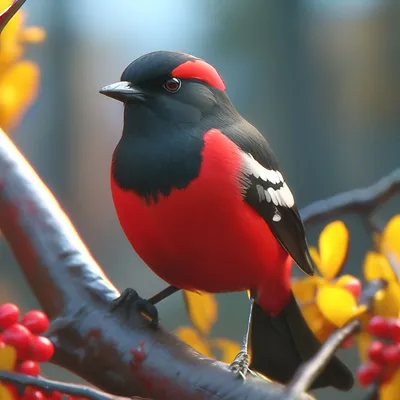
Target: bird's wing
[266, 191]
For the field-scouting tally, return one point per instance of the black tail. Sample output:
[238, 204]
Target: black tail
[280, 344]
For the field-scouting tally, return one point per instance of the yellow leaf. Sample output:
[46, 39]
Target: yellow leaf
[390, 242]
[320, 326]
[338, 305]
[363, 341]
[333, 245]
[228, 348]
[192, 338]
[6, 394]
[18, 89]
[388, 304]
[8, 357]
[315, 256]
[305, 289]
[391, 390]
[202, 309]
[376, 266]
[32, 34]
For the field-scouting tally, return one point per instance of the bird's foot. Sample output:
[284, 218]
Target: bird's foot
[240, 365]
[130, 298]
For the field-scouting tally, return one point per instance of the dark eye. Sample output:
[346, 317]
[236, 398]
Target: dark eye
[172, 85]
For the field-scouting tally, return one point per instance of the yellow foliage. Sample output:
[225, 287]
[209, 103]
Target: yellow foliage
[390, 390]
[377, 266]
[333, 246]
[18, 89]
[192, 337]
[338, 305]
[326, 304]
[202, 309]
[8, 359]
[6, 394]
[19, 79]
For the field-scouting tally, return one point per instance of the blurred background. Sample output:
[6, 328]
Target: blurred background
[319, 78]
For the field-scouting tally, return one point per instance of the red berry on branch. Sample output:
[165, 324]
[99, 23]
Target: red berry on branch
[378, 326]
[33, 394]
[41, 349]
[369, 372]
[9, 314]
[394, 329]
[391, 354]
[29, 367]
[20, 338]
[36, 321]
[375, 352]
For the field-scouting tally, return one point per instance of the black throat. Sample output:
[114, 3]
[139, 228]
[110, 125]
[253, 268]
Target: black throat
[155, 155]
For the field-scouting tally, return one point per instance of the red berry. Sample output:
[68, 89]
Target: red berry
[36, 321]
[354, 287]
[368, 372]
[29, 367]
[33, 394]
[41, 349]
[20, 338]
[378, 326]
[391, 354]
[375, 352]
[9, 314]
[394, 329]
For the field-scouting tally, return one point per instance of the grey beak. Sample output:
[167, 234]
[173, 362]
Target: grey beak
[122, 91]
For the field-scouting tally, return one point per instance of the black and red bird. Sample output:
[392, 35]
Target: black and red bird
[200, 197]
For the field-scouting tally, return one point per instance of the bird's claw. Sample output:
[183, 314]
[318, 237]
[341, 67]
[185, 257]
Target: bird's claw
[240, 365]
[128, 299]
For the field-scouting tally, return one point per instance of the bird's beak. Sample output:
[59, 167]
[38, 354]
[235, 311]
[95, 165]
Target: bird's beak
[123, 91]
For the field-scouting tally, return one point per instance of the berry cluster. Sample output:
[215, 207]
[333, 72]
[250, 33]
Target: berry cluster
[23, 334]
[383, 353]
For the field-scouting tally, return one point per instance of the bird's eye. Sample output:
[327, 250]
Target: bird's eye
[172, 85]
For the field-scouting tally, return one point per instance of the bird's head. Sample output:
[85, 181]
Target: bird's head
[175, 86]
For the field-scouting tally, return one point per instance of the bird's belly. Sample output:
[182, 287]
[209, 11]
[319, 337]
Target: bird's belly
[201, 242]
[206, 237]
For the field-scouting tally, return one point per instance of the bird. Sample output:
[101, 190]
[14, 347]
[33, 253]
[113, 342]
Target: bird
[200, 196]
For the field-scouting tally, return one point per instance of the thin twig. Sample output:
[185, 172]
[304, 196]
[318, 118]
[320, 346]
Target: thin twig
[362, 201]
[49, 386]
[7, 14]
[308, 372]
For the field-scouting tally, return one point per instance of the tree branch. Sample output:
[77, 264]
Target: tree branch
[118, 355]
[363, 201]
[48, 386]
